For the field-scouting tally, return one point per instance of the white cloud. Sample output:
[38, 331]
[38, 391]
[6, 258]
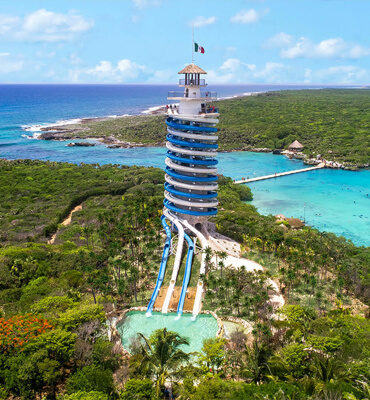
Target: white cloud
[7, 22]
[124, 71]
[248, 16]
[345, 74]
[303, 47]
[235, 65]
[74, 59]
[234, 70]
[43, 25]
[43, 54]
[272, 72]
[199, 22]
[10, 64]
[142, 4]
[163, 76]
[279, 40]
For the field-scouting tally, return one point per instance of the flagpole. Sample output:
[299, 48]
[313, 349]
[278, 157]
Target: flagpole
[192, 47]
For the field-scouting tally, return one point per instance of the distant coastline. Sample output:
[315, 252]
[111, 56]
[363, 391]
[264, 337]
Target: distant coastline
[82, 129]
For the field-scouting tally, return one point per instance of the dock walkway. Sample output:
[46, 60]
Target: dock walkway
[297, 171]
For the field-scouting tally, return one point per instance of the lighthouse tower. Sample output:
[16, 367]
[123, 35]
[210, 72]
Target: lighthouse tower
[191, 181]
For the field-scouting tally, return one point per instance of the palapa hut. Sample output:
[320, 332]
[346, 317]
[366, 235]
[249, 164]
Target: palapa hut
[296, 146]
[295, 223]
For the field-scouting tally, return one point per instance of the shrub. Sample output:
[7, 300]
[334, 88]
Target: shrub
[81, 395]
[136, 389]
[91, 378]
[75, 317]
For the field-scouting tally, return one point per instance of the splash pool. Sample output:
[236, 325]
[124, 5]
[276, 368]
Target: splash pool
[204, 327]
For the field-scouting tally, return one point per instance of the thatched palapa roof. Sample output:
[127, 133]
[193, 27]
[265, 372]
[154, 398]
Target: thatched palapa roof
[295, 223]
[192, 69]
[296, 145]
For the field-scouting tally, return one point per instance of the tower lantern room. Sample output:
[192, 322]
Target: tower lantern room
[192, 76]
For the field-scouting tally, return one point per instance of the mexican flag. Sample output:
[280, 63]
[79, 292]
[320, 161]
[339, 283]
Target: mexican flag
[198, 49]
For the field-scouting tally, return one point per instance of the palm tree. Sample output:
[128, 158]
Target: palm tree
[162, 357]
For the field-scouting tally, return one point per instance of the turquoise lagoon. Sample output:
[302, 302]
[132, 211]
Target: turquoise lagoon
[330, 200]
[203, 327]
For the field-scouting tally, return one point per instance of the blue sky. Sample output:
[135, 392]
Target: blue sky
[149, 41]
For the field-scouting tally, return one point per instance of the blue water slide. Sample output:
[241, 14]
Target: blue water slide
[171, 189]
[170, 206]
[185, 282]
[162, 268]
[185, 143]
[206, 161]
[210, 178]
[172, 124]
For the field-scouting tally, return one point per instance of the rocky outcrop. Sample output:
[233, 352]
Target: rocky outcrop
[81, 144]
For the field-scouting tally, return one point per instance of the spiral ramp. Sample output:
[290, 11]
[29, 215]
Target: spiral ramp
[190, 195]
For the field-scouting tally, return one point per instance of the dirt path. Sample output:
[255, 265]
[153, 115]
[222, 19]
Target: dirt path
[66, 222]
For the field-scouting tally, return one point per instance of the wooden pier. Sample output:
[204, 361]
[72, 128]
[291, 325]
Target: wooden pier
[297, 171]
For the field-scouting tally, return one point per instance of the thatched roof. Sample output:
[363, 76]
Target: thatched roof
[192, 69]
[295, 223]
[296, 145]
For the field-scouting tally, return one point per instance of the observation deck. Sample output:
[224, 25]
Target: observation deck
[189, 95]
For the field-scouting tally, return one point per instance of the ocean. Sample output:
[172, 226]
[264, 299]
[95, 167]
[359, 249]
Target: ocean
[330, 200]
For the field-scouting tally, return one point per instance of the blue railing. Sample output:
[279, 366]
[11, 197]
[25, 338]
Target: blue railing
[171, 189]
[195, 145]
[204, 161]
[170, 206]
[170, 122]
[191, 95]
[209, 178]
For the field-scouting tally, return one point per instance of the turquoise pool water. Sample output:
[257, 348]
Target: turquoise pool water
[204, 327]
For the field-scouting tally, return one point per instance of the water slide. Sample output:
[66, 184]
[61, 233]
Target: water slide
[185, 282]
[200, 287]
[162, 268]
[176, 265]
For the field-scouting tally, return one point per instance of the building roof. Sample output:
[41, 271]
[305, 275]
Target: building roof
[296, 145]
[295, 223]
[192, 69]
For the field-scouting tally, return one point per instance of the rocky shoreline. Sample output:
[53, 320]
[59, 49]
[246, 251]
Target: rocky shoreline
[79, 131]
